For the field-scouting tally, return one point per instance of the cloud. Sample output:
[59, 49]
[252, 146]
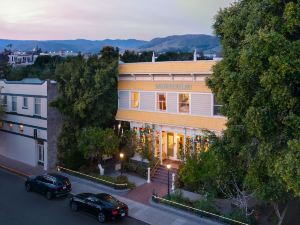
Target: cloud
[99, 19]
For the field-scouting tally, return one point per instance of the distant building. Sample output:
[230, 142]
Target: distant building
[61, 53]
[30, 127]
[22, 58]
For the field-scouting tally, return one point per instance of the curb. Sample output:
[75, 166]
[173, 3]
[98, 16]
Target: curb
[184, 214]
[94, 184]
[14, 171]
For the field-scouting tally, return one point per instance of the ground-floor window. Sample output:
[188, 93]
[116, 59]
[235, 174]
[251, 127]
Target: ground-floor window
[41, 154]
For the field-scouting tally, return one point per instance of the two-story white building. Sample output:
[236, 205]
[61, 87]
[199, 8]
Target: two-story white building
[29, 128]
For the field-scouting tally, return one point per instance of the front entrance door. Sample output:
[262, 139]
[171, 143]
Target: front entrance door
[170, 145]
[40, 154]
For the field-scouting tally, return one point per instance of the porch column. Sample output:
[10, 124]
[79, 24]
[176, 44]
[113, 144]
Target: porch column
[160, 146]
[184, 143]
[193, 141]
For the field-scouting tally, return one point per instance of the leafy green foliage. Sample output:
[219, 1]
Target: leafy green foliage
[129, 143]
[95, 142]
[43, 68]
[4, 66]
[88, 100]
[258, 83]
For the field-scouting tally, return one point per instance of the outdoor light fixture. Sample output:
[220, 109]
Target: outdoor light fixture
[169, 167]
[121, 157]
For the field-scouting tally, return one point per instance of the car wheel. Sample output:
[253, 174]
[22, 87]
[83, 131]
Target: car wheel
[48, 195]
[28, 187]
[74, 206]
[101, 217]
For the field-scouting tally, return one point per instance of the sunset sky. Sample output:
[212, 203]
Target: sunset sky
[100, 19]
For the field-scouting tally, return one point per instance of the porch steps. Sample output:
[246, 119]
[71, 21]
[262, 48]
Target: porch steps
[161, 175]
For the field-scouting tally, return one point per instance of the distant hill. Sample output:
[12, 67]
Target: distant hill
[177, 43]
[79, 45]
[183, 43]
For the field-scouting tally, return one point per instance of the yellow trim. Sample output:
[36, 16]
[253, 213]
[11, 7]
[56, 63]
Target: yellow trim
[173, 67]
[199, 122]
[151, 86]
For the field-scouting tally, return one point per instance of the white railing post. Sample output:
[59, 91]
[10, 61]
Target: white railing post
[173, 182]
[149, 171]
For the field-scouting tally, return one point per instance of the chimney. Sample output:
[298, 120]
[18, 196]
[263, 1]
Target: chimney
[195, 55]
[153, 57]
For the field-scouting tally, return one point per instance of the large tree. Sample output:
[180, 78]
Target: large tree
[87, 98]
[258, 82]
[4, 66]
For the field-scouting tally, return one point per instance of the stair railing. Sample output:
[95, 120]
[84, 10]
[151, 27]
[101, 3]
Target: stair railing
[154, 169]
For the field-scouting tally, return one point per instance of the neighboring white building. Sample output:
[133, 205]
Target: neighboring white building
[29, 128]
[22, 58]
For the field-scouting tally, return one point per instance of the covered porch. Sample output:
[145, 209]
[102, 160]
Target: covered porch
[173, 144]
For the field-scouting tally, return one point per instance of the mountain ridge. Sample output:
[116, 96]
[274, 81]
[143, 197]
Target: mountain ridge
[177, 43]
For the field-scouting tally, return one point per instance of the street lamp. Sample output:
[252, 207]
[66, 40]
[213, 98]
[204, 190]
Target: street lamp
[121, 158]
[169, 167]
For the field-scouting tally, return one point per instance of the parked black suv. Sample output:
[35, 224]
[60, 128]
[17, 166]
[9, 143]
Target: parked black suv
[102, 205]
[51, 185]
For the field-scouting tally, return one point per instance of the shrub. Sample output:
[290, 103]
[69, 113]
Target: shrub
[206, 205]
[239, 215]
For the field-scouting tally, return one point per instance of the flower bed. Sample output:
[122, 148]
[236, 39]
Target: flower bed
[203, 208]
[120, 182]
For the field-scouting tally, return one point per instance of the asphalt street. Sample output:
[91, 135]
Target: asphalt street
[18, 207]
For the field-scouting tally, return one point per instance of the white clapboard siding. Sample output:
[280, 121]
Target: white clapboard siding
[124, 100]
[201, 104]
[172, 102]
[147, 101]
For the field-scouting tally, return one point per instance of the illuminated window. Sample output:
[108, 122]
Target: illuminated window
[1, 124]
[37, 106]
[184, 103]
[135, 100]
[161, 102]
[10, 125]
[21, 128]
[14, 103]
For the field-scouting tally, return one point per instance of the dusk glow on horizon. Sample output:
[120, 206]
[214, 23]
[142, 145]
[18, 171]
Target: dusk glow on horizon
[100, 19]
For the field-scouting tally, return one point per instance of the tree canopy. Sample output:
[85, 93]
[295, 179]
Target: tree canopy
[258, 83]
[87, 98]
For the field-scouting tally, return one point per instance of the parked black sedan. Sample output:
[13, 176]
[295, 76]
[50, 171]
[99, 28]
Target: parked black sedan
[103, 205]
[51, 185]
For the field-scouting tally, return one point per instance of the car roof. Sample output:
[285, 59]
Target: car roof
[57, 176]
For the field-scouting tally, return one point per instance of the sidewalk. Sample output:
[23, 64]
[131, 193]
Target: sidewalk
[144, 212]
[19, 167]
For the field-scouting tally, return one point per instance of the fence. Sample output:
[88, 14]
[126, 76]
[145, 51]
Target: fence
[198, 211]
[92, 178]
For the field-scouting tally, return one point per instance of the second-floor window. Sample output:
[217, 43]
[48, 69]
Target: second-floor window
[25, 103]
[184, 103]
[37, 106]
[4, 100]
[217, 107]
[161, 102]
[14, 103]
[135, 101]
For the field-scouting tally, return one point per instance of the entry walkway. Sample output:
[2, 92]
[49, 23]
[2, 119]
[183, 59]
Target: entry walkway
[144, 193]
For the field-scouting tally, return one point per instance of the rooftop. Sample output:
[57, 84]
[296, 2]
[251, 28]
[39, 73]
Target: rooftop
[169, 67]
[25, 81]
